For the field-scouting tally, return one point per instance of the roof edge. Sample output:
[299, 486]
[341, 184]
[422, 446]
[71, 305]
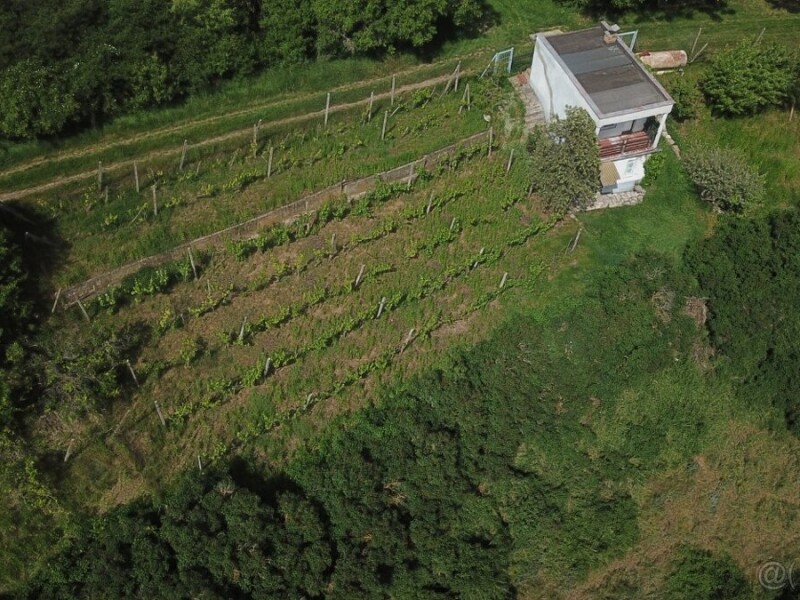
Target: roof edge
[669, 100]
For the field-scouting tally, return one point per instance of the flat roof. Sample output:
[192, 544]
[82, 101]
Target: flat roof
[607, 73]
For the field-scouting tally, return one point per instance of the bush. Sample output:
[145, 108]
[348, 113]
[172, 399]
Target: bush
[724, 177]
[700, 575]
[567, 161]
[687, 96]
[748, 78]
[653, 168]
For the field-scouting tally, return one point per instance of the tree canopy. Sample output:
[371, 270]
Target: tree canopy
[77, 62]
[566, 160]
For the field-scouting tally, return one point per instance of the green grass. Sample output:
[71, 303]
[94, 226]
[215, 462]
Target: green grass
[105, 235]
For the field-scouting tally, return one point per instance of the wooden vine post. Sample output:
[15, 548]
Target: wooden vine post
[385, 119]
[327, 108]
[136, 175]
[183, 154]
[394, 77]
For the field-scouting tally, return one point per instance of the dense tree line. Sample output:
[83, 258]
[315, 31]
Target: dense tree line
[76, 62]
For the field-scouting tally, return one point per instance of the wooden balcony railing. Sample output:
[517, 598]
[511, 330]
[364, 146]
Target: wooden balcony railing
[624, 144]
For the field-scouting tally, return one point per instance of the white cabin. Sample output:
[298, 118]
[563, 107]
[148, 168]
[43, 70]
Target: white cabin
[593, 69]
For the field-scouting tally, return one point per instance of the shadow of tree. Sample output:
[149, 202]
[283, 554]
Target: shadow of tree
[656, 10]
[792, 6]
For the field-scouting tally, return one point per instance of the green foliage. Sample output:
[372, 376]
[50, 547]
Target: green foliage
[687, 95]
[700, 575]
[566, 161]
[749, 77]
[34, 101]
[653, 168]
[346, 27]
[749, 271]
[724, 177]
[207, 537]
[84, 61]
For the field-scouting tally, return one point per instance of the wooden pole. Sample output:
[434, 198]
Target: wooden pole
[380, 307]
[69, 449]
[100, 175]
[791, 112]
[369, 112]
[510, 161]
[55, 303]
[83, 310]
[160, 416]
[333, 245]
[452, 224]
[503, 280]
[269, 163]
[255, 132]
[241, 329]
[575, 242]
[383, 129]
[155, 201]
[183, 154]
[136, 175]
[191, 262]
[133, 374]
[407, 340]
[394, 77]
[199, 464]
[760, 35]
[458, 74]
[468, 98]
[197, 169]
[327, 108]
[360, 273]
[697, 37]
[430, 203]
[267, 367]
[491, 136]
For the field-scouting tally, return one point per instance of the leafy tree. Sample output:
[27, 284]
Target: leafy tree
[700, 575]
[347, 27]
[748, 78]
[288, 32]
[207, 537]
[724, 177]
[33, 101]
[566, 161]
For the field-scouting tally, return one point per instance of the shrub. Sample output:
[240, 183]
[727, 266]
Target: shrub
[724, 177]
[687, 96]
[700, 575]
[567, 161]
[748, 78]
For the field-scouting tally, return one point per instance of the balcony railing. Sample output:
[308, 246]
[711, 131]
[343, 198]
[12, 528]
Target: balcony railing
[629, 143]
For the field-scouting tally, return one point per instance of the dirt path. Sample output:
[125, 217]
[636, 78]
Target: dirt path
[285, 99]
[60, 181]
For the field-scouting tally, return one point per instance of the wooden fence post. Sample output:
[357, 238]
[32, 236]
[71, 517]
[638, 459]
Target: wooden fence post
[393, 82]
[369, 111]
[383, 129]
[136, 175]
[183, 154]
[327, 108]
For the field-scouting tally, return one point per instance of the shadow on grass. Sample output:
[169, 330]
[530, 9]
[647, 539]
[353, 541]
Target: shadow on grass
[654, 10]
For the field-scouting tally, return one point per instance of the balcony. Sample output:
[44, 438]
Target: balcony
[628, 143]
